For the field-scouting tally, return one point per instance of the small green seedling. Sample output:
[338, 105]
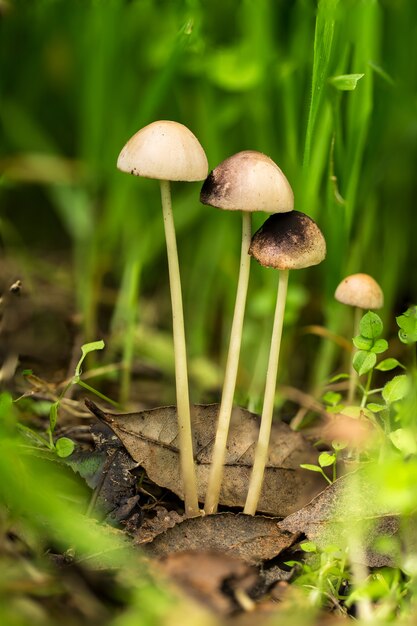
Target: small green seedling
[327, 459]
[324, 575]
[332, 400]
[64, 446]
[369, 344]
[380, 404]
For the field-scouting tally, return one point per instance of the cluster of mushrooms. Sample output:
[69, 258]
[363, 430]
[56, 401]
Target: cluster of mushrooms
[247, 181]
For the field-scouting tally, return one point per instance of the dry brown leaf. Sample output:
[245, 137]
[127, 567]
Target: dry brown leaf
[151, 438]
[212, 578]
[349, 505]
[153, 526]
[252, 538]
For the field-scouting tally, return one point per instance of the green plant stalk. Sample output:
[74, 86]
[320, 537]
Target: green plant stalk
[232, 363]
[261, 452]
[75, 380]
[366, 390]
[323, 46]
[341, 577]
[98, 393]
[326, 477]
[181, 377]
[353, 377]
[129, 335]
[360, 105]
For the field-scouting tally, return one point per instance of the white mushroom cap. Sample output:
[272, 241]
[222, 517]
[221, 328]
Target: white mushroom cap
[248, 181]
[360, 290]
[288, 241]
[164, 150]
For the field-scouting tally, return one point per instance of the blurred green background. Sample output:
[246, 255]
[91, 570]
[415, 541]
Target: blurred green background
[79, 77]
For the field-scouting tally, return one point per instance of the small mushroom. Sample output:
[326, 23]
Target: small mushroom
[285, 242]
[168, 151]
[362, 292]
[247, 181]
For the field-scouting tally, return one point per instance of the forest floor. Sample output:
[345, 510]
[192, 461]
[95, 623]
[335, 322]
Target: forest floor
[226, 568]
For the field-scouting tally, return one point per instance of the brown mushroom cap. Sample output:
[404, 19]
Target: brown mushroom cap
[288, 241]
[360, 290]
[164, 150]
[248, 181]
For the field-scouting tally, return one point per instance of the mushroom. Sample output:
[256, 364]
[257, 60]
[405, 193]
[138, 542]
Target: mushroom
[362, 292]
[285, 242]
[168, 151]
[247, 181]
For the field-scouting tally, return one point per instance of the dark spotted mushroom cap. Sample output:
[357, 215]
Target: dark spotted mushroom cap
[248, 181]
[164, 150]
[360, 290]
[288, 241]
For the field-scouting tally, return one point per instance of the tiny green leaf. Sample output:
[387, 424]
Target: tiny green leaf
[388, 364]
[371, 325]
[408, 326]
[337, 408]
[357, 412]
[375, 408]
[406, 338]
[345, 82]
[312, 468]
[64, 447]
[396, 389]
[32, 434]
[404, 440]
[363, 362]
[86, 349]
[332, 398]
[362, 343]
[338, 377]
[326, 459]
[308, 546]
[91, 347]
[379, 346]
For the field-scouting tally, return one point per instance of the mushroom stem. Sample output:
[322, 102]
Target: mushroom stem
[261, 451]
[181, 377]
[226, 405]
[353, 377]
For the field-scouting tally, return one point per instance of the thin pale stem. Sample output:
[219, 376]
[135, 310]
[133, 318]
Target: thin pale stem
[261, 452]
[353, 377]
[226, 405]
[181, 378]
